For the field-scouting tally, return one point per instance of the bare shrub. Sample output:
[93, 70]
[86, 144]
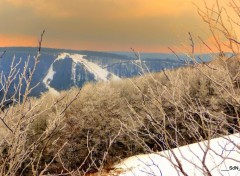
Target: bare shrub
[86, 130]
[195, 103]
[23, 132]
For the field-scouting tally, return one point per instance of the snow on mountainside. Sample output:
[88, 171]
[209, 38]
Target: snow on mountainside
[100, 73]
[60, 69]
[48, 78]
[222, 158]
[75, 62]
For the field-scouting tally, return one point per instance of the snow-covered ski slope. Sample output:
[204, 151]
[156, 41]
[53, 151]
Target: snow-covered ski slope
[99, 73]
[216, 157]
[47, 80]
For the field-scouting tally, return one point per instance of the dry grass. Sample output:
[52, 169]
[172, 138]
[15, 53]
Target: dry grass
[142, 113]
[87, 130]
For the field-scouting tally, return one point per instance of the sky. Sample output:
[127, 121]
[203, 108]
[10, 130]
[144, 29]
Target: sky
[105, 25]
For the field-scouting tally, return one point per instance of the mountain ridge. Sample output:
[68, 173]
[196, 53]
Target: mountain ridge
[80, 67]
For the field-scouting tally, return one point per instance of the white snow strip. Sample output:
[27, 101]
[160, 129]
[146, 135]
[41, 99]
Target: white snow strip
[48, 78]
[49, 75]
[99, 73]
[223, 158]
[62, 56]
[73, 77]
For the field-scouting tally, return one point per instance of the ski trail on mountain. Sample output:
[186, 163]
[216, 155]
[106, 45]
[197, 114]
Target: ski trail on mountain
[99, 73]
[48, 78]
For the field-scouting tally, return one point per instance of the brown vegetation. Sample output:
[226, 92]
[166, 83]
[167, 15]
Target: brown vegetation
[83, 131]
[110, 121]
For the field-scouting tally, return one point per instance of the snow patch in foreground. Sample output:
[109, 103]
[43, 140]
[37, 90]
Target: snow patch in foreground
[222, 158]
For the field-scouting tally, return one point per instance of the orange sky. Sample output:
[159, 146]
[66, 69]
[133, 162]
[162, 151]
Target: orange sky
[146, 25]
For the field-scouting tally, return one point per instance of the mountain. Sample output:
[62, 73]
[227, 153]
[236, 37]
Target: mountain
[69, 70]
[60, 69]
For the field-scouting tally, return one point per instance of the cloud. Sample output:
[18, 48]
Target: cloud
[104, 8]
[119, 24]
